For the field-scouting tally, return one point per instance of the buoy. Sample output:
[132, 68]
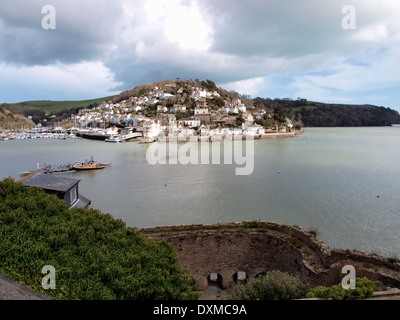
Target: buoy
[165, 185]
[279, 171]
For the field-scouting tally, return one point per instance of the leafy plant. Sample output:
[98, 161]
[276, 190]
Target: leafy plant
[364, 289]
[275, 285]
[95, 256]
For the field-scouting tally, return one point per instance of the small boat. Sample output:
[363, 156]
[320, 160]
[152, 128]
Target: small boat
[148, 140]
[114, 139]
[88, 167]
[24, 173]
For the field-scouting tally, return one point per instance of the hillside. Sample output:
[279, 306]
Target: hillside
[172, 86]
[10, 121]
[52, 106]
[300, 111]
[318, 114]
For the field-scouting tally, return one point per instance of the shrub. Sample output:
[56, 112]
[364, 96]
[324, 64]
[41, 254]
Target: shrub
[95, 256]
[313, 232]
[364, 289]
[275, 285]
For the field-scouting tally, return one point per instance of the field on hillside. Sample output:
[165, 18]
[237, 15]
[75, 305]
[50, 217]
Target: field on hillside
[54, 106]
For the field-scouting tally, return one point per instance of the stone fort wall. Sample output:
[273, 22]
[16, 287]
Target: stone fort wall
[248, 249]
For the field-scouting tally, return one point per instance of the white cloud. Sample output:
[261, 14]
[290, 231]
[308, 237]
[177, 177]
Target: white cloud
[77, 81]
[248, 86]
[366, 78]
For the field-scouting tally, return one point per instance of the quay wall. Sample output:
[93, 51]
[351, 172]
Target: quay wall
[230, 138]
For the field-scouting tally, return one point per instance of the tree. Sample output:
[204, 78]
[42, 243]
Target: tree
[240, 120]
[280, 114]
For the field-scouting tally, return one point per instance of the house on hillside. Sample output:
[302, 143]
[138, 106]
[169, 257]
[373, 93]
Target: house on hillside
[161, 108]
[177, 108]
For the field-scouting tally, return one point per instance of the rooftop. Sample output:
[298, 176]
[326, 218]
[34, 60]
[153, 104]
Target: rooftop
[50, 182]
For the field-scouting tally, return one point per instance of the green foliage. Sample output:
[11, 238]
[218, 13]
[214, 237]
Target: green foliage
[392, 260]
[240, 120]
[364, 289]
[313, 232]
[253, 224]
[275, 285]
[280, 114]
[297, 127]
[209, 85]
[94, 255]
[318, 114]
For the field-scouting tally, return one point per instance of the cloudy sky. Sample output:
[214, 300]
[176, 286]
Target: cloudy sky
[267, 48]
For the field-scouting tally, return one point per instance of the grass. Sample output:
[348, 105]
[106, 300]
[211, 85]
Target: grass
[298, 109]
[49, 106]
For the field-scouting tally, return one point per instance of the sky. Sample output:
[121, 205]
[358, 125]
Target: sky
[330, 51]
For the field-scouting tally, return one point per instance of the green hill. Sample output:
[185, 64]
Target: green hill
[319, 114]
[52, 106]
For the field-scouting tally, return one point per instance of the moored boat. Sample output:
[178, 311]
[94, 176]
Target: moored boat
[114, 139]
[148, 140]
[94, 166]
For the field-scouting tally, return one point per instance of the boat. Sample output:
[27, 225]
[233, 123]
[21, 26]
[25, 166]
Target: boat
[114, 139]
[25, 173]
[88, 167]
[148, 140]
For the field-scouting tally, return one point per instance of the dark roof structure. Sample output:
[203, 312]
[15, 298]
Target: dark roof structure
[82, 202]
[50, 182]
[56, 184]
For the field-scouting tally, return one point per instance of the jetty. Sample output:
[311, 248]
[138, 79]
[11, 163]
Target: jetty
[85, 165]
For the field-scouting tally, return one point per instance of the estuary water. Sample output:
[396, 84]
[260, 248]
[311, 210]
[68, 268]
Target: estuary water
[345, 182]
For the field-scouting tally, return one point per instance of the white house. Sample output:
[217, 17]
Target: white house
[254, 129]
[177, 108]
[203, 131]
[166, 96]
[161, 108]
[233, 131]
[231, 109]
[242, 108]
[136, 108]
[152, 101]
[201, 111]
[191, 123]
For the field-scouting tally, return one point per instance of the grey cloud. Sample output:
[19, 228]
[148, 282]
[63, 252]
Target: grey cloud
[250, 38]
[278, 27]
[84, 31]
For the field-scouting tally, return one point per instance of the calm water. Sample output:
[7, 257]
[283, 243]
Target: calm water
[330, 179]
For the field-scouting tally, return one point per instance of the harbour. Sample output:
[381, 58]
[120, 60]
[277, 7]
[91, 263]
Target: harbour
[327, 178]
